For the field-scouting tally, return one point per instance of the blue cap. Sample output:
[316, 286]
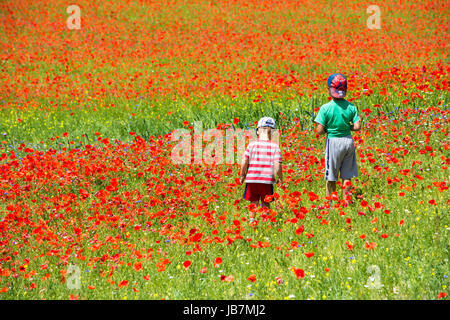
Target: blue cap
[337, 83]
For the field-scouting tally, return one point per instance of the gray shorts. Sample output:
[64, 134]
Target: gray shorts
[340, 157]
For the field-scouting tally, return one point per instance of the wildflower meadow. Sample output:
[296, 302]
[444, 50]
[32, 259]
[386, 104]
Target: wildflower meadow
[93, 205]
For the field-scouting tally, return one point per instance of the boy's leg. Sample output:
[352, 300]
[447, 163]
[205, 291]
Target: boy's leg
[255, 193]
[330, 188]
[349, 169]
[266, 190]
[347, 190]
[251, 215]
[347, 185]
[265, 204]
[332, 164]
[249, 196]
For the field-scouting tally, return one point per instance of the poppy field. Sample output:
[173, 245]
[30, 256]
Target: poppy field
[94, 207]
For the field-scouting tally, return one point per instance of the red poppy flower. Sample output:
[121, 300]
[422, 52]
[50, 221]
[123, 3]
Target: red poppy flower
[229, 278]
[300, 230]
[371, 245]
[138, 266]
[218, 261]
[252, 278]
[350, 245]
[299, 273]
[312, 196]
[197, 237]
[441, 295]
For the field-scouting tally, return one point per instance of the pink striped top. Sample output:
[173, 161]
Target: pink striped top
[262, 155]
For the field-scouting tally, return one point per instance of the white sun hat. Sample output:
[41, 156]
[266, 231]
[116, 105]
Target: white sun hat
[266, 122]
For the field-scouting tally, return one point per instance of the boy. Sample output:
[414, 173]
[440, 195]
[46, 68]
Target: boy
[337, 119]
[261, 163]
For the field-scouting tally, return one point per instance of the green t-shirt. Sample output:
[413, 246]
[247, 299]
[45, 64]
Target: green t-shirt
[336, 116]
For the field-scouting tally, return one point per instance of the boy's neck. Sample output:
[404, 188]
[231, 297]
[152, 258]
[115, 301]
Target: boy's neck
[264, 137]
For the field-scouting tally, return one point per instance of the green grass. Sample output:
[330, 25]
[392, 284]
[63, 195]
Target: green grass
[104, 92]
[116, 117]
[412, 260]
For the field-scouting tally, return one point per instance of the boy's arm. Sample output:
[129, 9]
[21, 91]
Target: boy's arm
[356, 126]
[321, 120]
[278, 168]
[320, 129]
[244, 167]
